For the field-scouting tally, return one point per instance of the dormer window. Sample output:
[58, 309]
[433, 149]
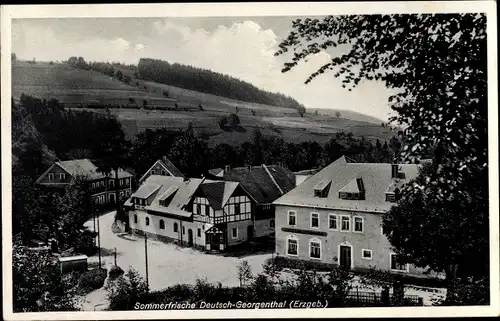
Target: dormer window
[51, 176]
[354, 190]
[321, 190]
[390, 197]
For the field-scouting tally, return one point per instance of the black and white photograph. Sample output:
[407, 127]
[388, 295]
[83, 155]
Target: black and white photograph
[249, 160]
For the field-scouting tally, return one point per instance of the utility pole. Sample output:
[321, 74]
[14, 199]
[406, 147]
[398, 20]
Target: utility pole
[99, 240]
[115, 256]
[146, 255]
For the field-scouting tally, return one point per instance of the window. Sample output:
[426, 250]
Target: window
[176, 227]
[152, 172]
[199, 232]
[332, 222]
[207, 210]
[62, 176]
[366, 254]
[111, 183]
[147, 221]
[358, 224]
[385, 230]
[345, 222]
[315, 249]
[292, 245]
[315, 220]
[203, 227]
[162, 225]
[183, 230]
[235, 233]
[292, 218]
[390, 197]
[164, 173]
[126, 181]
[51, 176]
[272, 224]
[397, 265]
[135, 218]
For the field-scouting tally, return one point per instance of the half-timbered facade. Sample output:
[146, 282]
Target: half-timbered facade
[210, 215]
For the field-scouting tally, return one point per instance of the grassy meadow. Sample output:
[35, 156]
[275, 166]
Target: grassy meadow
[75, 87]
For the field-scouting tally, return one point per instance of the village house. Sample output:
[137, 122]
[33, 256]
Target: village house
[162, 167]
[200, 213]
[335, 216]
[103, 189]
[264, 184]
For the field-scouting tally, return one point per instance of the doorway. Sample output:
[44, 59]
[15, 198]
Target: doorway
[250, 232]
[345, 257]
[190, 237]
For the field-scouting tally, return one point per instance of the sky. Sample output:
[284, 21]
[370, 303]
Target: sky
[241, 47]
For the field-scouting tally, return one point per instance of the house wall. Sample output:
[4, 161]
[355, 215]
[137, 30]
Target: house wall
[157, 168]
[56, 170]
[168, 233]
[242, 227]
[371, 238]
[263, 227]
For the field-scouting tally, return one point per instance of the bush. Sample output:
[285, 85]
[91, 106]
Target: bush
[281, 263]
[222, 121]
[115, 272]
[92, 279]
[126, 290]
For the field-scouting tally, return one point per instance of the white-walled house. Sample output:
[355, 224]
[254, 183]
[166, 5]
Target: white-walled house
[206, 214]
[335, 216]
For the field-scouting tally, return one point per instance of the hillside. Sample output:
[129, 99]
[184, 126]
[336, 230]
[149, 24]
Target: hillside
[74, 86]
[208, 81]
[346, 114]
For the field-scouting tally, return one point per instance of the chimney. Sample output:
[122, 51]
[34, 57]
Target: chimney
[164, 159]
[185, 179]
[227, 169]
[395, 170]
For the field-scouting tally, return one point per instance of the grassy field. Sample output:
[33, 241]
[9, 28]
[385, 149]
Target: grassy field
[74, 86]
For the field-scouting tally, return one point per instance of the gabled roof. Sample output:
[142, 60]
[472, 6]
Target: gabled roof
[218, 192]
[85, 168]
[262, 183]
[181, 192]
[167, 165]
[376, 178]
[181, 198]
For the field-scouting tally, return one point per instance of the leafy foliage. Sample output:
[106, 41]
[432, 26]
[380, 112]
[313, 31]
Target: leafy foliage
[37, 283]
[244, 272]
[92, 280]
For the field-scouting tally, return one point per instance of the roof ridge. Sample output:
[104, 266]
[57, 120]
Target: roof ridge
[272, 178]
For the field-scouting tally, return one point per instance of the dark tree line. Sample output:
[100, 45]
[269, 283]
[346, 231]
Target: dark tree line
[210, 82]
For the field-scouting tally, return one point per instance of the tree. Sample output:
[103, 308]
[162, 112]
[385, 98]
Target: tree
[233, 121]
[37, 283]
[112, 154]
[119, 75]
[127, 79]
[431, 233]
[190, 154]
[222, 121]
[438, 64]
[244, 272]
[337, 114]
[301, 111]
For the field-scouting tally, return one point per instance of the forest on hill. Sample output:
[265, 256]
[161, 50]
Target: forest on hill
[207, 81]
